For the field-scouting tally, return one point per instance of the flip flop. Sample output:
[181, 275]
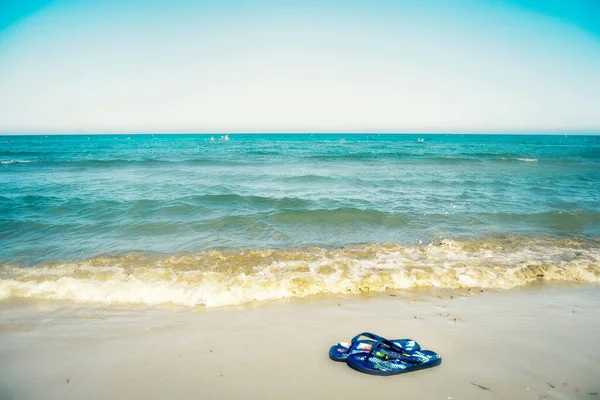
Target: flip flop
[341, 351]
[386, 358]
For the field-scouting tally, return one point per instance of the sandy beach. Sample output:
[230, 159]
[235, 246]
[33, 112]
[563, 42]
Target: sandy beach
[537, 342]
[199, 198]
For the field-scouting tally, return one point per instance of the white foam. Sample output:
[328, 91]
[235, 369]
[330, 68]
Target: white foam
[216, 278]
[8, 162]
[528, 159]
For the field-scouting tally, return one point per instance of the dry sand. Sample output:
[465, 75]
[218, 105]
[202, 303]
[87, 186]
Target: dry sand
[540, 342]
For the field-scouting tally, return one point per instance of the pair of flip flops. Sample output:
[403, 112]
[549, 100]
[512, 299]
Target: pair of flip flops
[379, 356]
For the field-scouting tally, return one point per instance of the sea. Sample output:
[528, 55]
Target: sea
[214, 220]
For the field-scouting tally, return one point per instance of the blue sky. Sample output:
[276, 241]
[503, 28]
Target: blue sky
[84, 66]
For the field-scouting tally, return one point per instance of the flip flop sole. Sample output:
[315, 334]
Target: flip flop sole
[373, 365]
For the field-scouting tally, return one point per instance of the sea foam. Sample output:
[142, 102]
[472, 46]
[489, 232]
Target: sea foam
[219, 277]
[8, 162]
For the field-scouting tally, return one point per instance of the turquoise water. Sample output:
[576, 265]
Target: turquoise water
[64, 199]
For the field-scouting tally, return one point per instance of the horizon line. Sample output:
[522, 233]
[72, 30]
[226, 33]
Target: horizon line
[547, 133]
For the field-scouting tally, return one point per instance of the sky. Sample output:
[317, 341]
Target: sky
[128, 66]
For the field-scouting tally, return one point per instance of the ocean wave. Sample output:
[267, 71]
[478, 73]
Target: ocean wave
[208, 161]
[152, 207]
[142, 162]
[237, 199]
[339, 216]
[13, 153]
[563, 219]
[8, 162]
[528, 159]
[400, 155]
[307, 178]
[533, 160]
[443, 159]
[146, 162]
[220, 277]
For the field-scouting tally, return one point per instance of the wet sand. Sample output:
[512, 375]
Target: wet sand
[538, 342]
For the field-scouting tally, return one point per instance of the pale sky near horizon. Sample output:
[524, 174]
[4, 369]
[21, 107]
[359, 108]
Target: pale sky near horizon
[85, 66]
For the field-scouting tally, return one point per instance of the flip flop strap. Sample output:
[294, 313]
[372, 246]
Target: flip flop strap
[393, 346]
[397, 349]
[368, 335]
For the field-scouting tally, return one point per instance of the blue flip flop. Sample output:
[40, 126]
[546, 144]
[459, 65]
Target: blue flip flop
[341, 351]
[386, 358]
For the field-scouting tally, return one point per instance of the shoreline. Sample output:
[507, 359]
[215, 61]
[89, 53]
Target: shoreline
[222, 278]
[535, 342]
